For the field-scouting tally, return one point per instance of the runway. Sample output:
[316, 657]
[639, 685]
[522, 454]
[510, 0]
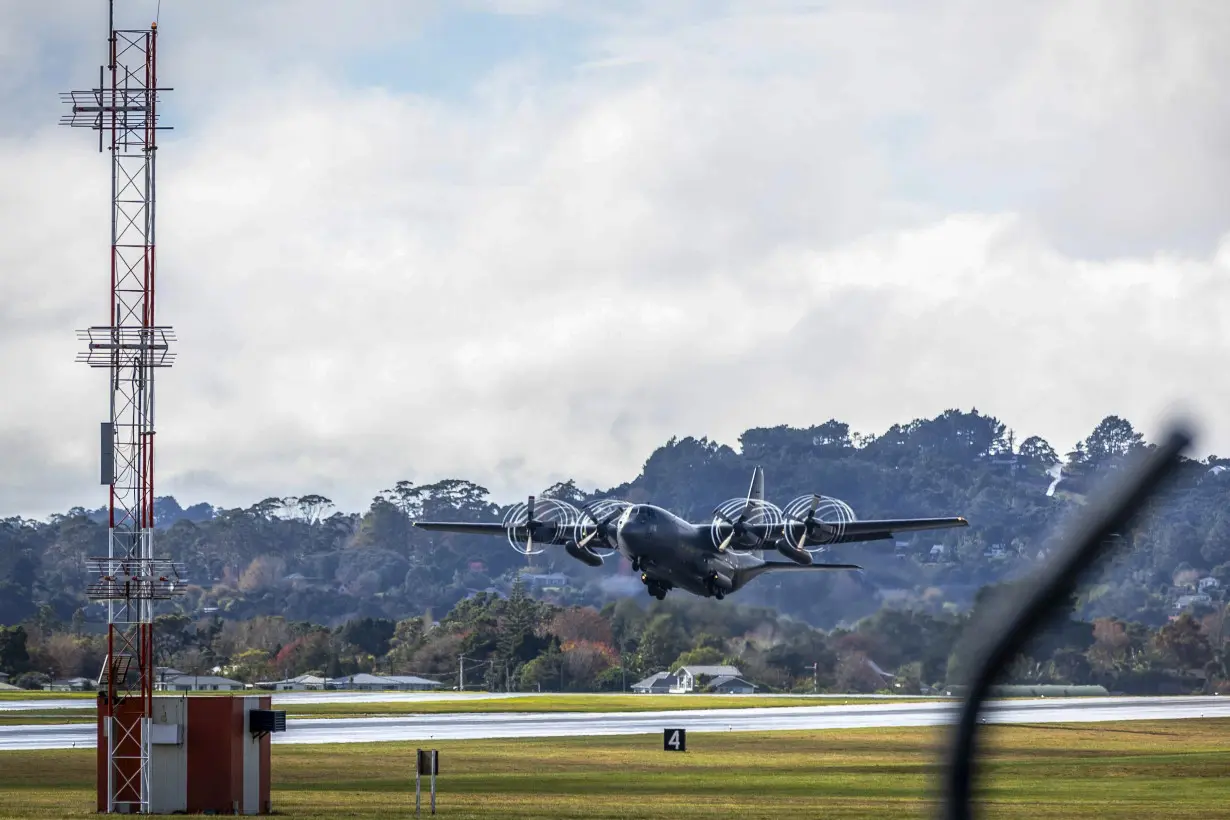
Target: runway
[470, 726]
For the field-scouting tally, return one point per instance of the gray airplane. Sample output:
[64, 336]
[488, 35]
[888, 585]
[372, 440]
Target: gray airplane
[709, 560]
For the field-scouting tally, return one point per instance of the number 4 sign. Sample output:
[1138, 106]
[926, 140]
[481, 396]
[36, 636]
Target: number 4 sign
[674, 740]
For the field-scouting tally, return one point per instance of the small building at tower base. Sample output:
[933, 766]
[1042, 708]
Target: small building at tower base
[206, 754]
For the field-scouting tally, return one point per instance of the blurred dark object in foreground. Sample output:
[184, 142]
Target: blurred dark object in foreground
[1088, 535]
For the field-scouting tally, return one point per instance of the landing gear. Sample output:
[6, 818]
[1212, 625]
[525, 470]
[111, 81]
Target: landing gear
[718, 585]
[657, 589]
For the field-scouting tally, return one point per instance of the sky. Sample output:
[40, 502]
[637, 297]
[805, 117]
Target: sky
[520, 241]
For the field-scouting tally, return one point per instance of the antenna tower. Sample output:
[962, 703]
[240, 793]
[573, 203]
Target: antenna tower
[131, 346]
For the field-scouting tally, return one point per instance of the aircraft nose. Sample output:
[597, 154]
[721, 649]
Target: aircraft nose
[628, 530]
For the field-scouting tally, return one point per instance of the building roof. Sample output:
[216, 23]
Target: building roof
[708, 671]
[665, 678]
[202, 680]
[366, 678]
[725, 679]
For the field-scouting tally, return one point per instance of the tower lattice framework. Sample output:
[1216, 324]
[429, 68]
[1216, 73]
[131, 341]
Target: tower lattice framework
[132, 346]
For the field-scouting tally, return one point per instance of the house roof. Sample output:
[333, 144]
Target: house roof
[203, 680]
[708, 671]
[366, 678]
[725, 679]
[665, 678]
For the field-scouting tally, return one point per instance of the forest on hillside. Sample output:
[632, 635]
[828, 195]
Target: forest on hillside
[520, 643]
[304, 560]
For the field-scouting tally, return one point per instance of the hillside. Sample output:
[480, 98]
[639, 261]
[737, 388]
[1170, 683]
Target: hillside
[299, 558]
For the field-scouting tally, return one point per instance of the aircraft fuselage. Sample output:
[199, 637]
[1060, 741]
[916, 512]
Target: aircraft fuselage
[671, 552]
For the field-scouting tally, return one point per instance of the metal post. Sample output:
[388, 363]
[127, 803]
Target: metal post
[435, 757]
[418, 781]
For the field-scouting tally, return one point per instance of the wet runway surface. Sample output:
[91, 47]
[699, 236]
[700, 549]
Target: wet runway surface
[463, 726]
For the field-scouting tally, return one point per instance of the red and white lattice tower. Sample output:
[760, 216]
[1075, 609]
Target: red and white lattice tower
[132, 346]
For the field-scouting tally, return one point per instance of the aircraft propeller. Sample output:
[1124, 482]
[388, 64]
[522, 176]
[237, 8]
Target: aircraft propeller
[830, 525]
[756, 519]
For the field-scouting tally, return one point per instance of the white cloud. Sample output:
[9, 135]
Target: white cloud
[873, 212]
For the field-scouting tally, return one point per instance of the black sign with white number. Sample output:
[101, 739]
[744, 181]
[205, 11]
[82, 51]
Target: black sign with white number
[674, 740]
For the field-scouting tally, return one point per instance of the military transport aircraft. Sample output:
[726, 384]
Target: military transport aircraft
[709, 560]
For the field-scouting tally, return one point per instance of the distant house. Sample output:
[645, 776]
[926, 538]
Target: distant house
[364, 682]
[198, 683]
[554, 579]
[731, 685]
[1208, 583]
[657, 684]
[1185, 601]
[4, 677]
[165, 673]
[696, 678]
[69, 685]
[298, 683]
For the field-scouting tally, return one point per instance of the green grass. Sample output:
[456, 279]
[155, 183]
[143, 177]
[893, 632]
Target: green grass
[1171, 769]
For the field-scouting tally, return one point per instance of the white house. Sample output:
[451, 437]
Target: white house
[198, 683]
[1208, 583]
[696, 678]
[1188, 600]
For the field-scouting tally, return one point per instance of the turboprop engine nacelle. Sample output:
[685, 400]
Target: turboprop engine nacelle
[798, 556]
[583, 554]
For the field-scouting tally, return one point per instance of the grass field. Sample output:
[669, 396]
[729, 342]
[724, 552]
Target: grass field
[1171, 769]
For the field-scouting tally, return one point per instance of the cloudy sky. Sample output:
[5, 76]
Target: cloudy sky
[523, 240]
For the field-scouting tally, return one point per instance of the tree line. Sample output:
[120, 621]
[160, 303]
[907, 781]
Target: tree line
[300, 557]
[519, 643]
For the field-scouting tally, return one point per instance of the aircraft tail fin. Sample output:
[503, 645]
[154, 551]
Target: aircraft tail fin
[755, 494]
[756, 491]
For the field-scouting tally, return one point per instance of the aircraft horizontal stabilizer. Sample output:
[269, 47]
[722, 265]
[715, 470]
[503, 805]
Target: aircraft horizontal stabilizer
[770, 566]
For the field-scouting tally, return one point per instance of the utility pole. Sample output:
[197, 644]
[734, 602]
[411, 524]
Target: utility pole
[461, 673]
[815, 679]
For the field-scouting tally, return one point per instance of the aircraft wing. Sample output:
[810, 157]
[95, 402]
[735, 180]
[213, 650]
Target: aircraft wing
[858, 530]
[887, 528]
[466, 528]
